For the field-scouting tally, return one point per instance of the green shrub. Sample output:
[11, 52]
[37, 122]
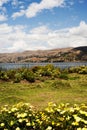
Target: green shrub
[11, 73]
[28, 75]
[46, 73]
[83, 71]
[17, 78]
[74, 69]
[40, 73]
[49, 67]
[56, 72]
[43, 72]
[58, 84]
[79, 69]
[46, 70]
[36, 68]
[4, 76]
[63, 76]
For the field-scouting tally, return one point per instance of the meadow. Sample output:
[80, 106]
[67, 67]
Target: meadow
[41, 85]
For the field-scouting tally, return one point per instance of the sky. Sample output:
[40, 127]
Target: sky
[42, 24]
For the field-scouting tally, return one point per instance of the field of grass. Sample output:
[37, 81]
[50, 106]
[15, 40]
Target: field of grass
[73, 90]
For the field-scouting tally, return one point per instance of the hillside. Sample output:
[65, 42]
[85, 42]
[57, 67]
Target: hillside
[56, 55]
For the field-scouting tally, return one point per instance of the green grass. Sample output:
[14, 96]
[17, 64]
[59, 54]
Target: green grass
[73, 90]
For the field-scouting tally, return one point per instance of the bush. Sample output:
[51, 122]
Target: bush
[36, 68]
[28, 75]
[17, 78]
[83, 71]
[4, 76]
[56, 72]
[40, 73]
[43, 72]
[80, 70]
[55, 117]
[63, 76]
[11, 74]
[58, 84]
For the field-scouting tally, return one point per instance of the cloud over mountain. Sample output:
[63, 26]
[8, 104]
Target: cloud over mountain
[15, 38]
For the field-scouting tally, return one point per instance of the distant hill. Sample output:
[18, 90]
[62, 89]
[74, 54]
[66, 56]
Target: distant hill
[56, 55]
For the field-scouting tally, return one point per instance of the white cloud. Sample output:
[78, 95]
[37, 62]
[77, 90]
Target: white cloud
[14, 3]
[18, 4]
[3, 17]
[40, 30]
[15, 38]
[3, 10]
[3, 2]
[36, 8]
[18, 47]
[18, 14]
[81, 30]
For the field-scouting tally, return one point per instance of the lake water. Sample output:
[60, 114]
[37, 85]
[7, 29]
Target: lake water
[61, 65]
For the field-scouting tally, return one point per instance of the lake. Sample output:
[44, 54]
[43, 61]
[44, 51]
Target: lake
[62, 65]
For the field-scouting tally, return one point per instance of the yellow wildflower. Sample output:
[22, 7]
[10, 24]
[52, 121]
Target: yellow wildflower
[84, 128]
[14, 109]
[20, 120]
[12, 123]
[17, 128]
[78, 119]
[2, 124]
[79, 128]
[49, 128]
[28, 124]
[75, 123]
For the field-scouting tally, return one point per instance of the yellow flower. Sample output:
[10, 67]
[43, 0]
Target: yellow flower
[75, 123]
[28, 124]
[84, 121]
[2, 124]
[23, 114]
[78, 119]
[68, 118]
[79, 128]
[84, 128]
[53, 122]
[83, 112]
[49, 128]
[14, 109]
[26, 120]
[12, 123]
[71, 109]
[17, 128]
[20, 120]
[30, 114]
[58, 124]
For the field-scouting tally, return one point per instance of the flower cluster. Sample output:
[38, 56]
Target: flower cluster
[55, 117]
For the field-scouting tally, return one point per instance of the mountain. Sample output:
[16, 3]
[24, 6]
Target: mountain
[78, 54]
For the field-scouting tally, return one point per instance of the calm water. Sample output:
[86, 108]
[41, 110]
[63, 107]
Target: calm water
[62, 65]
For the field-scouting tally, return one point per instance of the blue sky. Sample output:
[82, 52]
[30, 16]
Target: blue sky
[42, 24]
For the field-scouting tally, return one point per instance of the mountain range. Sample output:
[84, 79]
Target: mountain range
[77, 54]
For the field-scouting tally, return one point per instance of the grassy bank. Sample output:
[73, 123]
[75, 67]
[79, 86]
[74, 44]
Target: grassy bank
[39, 93]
